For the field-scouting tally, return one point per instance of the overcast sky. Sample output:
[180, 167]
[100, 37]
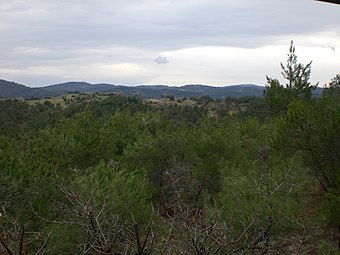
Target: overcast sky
[174, 42]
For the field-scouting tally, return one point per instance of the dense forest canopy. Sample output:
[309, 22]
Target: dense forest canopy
[122, 175]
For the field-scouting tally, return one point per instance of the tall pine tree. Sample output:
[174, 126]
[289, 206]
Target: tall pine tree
[298, 86]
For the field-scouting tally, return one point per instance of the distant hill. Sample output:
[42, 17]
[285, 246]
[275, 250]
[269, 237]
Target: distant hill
[15, 90]
[81, 87]
[11, 89]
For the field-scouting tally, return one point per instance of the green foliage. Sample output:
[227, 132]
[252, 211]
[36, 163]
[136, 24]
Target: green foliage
[17, 117]
[204, 100]
[257, 107]
[268, 193]
[327, 248]
[314, 130]
[333, 88]
[187, 115]
[75, 142]
[119, 192]
[298, 76]
[329, 208]
[95, 172]
[279, 96]
[155, 150]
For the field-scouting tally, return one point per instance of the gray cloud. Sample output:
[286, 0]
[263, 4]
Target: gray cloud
[332, 48]
[241, 23]
[161, 60]
[40, 33]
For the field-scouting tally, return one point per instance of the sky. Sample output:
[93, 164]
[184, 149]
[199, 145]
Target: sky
[172, 42]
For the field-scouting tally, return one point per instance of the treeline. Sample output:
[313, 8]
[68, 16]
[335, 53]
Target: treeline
[120, 176]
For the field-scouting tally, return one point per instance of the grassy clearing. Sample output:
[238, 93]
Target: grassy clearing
[69, 99]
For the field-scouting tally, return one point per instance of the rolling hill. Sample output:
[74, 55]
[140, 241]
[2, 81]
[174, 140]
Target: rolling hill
[14, 90]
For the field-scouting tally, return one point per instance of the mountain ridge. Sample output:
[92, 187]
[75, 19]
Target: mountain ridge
[10, 89]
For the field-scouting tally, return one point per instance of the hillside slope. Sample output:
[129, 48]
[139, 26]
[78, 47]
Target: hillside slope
[15, 90]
